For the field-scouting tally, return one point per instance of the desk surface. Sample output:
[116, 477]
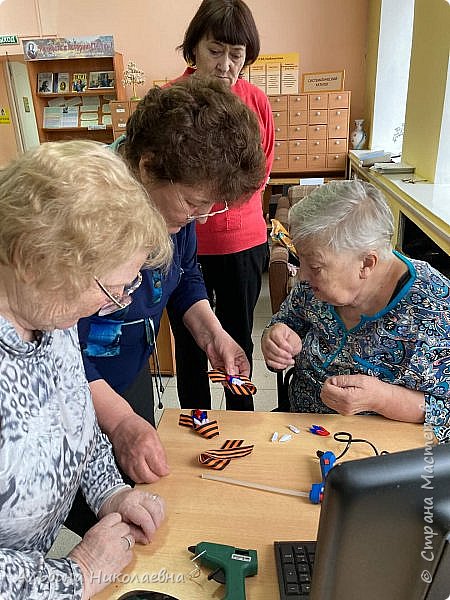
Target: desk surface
[200, 510]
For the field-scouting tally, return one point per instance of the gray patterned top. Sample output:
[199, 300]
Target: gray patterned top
[50, 443]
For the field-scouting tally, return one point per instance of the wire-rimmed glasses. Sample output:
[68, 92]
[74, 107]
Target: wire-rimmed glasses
[190, 218]
[118, 301]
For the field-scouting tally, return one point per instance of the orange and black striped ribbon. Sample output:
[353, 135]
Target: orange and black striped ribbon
[219, 459]
[238, 384]
[207, 430]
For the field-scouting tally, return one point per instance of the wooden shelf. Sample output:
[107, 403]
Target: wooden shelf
[96, 92]
[71, 66]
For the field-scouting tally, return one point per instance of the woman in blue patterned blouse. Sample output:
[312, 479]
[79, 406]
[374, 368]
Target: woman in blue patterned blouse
[367, 329]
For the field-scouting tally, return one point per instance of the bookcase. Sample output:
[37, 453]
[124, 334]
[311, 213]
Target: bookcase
[96, 130]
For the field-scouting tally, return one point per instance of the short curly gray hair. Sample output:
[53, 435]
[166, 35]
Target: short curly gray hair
[344, 216]
[72, 210]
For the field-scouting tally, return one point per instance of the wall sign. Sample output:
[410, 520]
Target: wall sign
[4, 116]
[84, 47]
[8, 40]
[328, 81]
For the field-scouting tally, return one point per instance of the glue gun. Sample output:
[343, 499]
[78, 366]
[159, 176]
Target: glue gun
[327, 460]
[231, 566]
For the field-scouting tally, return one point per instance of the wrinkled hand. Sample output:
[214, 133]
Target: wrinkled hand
[352, 394]
[142, 511]
[224, 353]
[103, 553]
[279, 345]
[138, 450]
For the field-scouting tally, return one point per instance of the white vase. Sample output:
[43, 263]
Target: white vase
[358, 135]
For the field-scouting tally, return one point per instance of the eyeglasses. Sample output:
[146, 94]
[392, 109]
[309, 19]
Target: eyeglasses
[118, 301]
[189, 217]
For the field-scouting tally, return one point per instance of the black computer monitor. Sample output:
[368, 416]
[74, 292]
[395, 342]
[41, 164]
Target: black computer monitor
[384, 529]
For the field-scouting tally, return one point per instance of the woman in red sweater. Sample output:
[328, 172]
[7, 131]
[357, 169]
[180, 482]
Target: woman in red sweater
[220, 41]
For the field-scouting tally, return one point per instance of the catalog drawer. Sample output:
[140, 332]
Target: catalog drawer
[339, 100]
[298, 117]
[280, 117]
[318, 101]
[297, 162]
[297, 132]
[316, 161]
[297, 146]
[280, 162]
[281, 132]
[317, 146]
[278, 102]
[298, 102]
[318, 116]
[317, 132]
[336, 161]
[337, 145]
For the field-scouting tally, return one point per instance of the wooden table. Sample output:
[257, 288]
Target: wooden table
[200, 510]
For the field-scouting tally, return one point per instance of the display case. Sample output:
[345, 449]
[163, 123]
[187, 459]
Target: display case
[89, 85]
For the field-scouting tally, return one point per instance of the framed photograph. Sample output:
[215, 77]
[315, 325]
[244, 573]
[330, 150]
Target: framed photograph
[61, 83]
[79, 82]
[45, 83]
[326, 81]
[101, 80]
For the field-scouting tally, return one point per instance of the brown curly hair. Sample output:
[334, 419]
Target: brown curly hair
[198, 133]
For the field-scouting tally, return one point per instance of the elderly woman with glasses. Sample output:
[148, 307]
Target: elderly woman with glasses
[188, 144]
[220, 41]
[56, 246]
[365, 328]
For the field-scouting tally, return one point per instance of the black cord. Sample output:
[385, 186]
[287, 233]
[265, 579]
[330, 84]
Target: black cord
[348, 439]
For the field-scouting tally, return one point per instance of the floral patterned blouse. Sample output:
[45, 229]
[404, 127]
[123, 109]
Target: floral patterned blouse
[407, 343]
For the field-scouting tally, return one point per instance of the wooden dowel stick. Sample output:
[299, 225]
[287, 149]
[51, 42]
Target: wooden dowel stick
[255, 486]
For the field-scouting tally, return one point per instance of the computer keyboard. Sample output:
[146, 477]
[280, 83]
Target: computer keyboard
[294, 562]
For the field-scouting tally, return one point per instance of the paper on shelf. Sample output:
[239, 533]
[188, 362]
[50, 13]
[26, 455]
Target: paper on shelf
[69, 117]
[73, 101]
[56, 102]
[91, 101]
[89, 116]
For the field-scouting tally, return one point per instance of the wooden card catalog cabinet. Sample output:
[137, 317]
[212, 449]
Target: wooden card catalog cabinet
[311, 131]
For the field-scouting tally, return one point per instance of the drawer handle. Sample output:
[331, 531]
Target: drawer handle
[277, 114]
[336, 156]
[318, 113]
[297, 129]
[297, 144]
[316, 157]
[298, 114]
[337, 142]
[339, 97]
[338, 126]
[316, 128]
[277, 157]
[277, 144]
[338, 112]
[277, 129]
[316, 143]
[317, 97]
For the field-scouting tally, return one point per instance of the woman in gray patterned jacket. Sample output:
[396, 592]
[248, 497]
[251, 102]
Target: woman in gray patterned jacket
[63, 256]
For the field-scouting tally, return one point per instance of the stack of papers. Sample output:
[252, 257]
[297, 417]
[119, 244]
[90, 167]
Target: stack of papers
[390, 168]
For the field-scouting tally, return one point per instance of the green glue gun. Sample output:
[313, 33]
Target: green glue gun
[231, 566]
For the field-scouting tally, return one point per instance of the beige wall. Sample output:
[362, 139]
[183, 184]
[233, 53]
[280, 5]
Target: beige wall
[328, 34]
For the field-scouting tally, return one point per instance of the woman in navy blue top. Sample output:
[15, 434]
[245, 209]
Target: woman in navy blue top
[188, 144]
